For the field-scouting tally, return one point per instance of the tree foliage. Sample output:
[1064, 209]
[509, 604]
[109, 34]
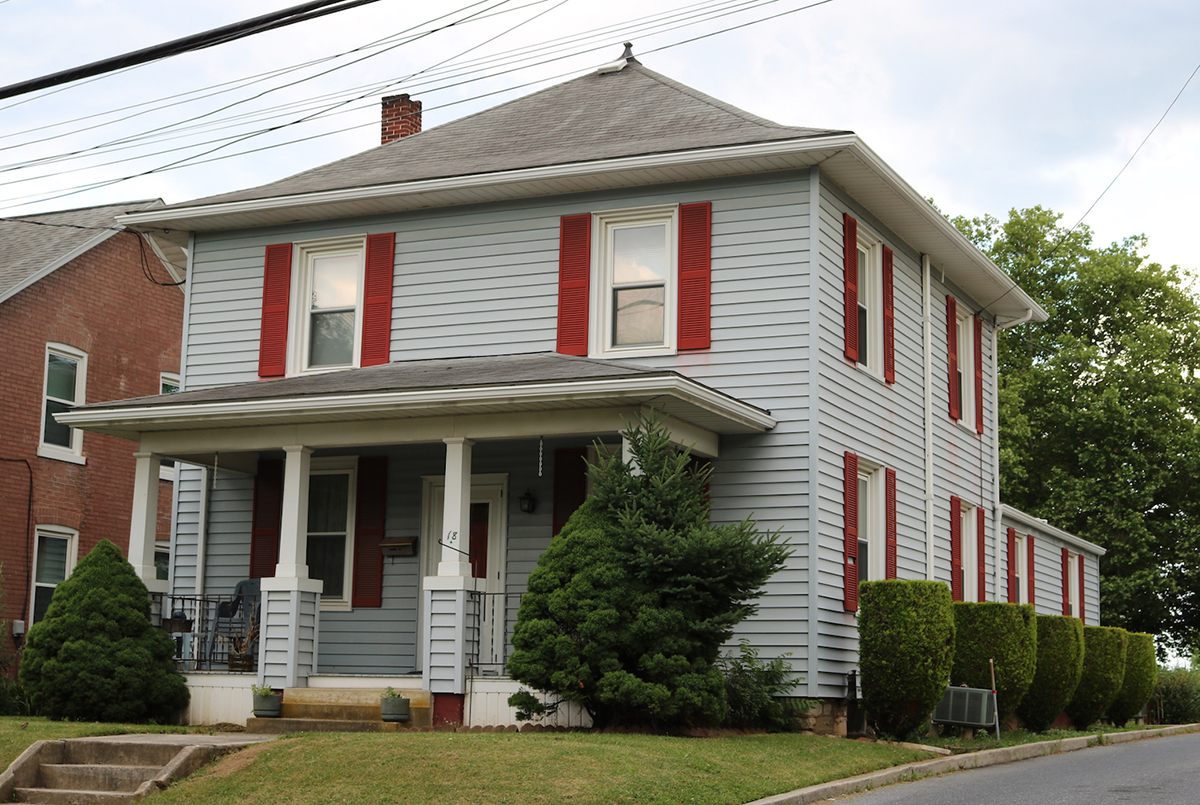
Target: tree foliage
[1006, 634]
[95, 655]
[1099, 411]
[628, 608]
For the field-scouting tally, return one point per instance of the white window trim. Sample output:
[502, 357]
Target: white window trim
[600, 313]
[1075, 584]
[966, 365]
[970, 551]
[301, 294]
[334, 465]
[1021, 568]
[74, 453]
[871, 518]
[874, 297]
[59, 532]
[166, 473]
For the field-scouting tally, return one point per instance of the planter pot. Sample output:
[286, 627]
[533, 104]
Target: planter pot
[395, 709]
[240, 661]
[268, 706]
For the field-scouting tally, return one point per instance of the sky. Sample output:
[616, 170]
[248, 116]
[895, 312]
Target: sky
[983, 107]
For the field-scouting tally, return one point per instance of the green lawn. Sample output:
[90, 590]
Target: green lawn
[14, 738]
[530, 768]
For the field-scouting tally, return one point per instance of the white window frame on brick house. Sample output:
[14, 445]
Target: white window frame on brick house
[74, 451]
[602, 315]
[348, 466]
[871, 525]
[965, 333]
[71, 537]
[301, 310]
[870, 303]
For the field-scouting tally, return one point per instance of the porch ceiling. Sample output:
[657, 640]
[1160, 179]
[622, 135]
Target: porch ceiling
[466, 390]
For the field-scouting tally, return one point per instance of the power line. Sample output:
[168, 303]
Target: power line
[196, 159]
[206, 39]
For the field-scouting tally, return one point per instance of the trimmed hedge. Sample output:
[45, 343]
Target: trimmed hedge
[1141, 667]
[906, 650]
[1059, 666]
[1006, 633]
[1104, 651]
[1177, 696]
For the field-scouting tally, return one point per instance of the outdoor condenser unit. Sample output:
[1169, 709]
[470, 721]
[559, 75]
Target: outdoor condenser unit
[966, 707]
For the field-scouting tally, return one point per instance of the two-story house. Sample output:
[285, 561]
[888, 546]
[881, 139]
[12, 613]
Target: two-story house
[88, 311]
[395, 365]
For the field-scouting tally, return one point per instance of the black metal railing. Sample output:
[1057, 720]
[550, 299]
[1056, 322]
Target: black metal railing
[210, 632]
[490, 621]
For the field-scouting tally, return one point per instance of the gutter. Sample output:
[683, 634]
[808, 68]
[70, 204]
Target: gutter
[997, 526]
[1038, 524]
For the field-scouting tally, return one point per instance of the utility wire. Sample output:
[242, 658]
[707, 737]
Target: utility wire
[187, 44]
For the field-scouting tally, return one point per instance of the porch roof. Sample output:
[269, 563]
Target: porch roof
[428, 388]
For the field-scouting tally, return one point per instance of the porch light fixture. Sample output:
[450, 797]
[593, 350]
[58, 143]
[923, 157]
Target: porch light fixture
[527, 502]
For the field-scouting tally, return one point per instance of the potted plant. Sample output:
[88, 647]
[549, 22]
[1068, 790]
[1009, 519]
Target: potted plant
[241, 657]
[267, 701]
[394, 706]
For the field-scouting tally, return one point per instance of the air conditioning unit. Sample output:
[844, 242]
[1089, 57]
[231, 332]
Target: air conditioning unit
[966, 707]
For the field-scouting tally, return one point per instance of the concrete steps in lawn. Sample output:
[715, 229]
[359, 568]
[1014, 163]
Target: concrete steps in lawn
[102, 771]
[341, 710]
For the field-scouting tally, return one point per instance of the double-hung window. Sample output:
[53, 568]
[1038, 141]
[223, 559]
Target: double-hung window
[1020, 562]
[1074, 585]
[970, 552]
[329, 299]
[634, 298]
[871, 538]
[331, 491]
[64, 387]
[870, 306]
[55, 548]
[965, 331]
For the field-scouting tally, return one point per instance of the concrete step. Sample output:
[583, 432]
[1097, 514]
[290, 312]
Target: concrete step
[351, 696]
[337, 712]
[124, 753]
[95, 777]
[64, 796]
[278, 726]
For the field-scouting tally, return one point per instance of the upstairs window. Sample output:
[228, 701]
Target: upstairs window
[65, 380]
[868, 308]
[965, 329]
[329, 291]
[635, 294]
[168, 383]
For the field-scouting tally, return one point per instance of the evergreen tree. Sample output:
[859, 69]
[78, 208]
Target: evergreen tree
[628, 609]
[95, 655]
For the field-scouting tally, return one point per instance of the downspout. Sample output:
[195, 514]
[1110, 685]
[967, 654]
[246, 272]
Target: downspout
[995, 426]
[927, 342]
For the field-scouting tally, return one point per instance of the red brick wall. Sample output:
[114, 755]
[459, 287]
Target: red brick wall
[130, 329]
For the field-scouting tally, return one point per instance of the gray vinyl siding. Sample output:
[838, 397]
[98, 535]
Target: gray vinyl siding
[483, 280]
[1048, 582]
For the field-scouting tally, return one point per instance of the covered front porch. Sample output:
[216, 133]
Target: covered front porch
[381, 524]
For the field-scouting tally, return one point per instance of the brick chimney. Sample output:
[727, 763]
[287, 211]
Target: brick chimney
[401, 116]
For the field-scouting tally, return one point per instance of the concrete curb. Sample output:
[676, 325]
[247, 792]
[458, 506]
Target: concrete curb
[973, 760]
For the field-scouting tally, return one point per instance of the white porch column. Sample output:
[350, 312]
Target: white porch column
[143, 524]
[456, 510]
[293, 547]
[291, 601]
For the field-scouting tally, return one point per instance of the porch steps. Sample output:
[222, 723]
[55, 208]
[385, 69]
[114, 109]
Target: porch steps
[341, 710]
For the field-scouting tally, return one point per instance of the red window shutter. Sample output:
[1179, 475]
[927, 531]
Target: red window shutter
[570, 483]
[1031, 558]
[850, 532]
[1013, 593]
[889, 319]
[1066, 582]
[695, 275]
[978, 374]
[370, 517]
[377, 299]
[265, 518]
[889, 506]
[952, 353]
[956, 568]
[981, 552]
[574, 282]
[850, 287]
[273, 329]
[1082, 595]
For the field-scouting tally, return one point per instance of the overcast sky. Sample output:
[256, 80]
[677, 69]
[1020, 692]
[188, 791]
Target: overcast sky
[982, 106]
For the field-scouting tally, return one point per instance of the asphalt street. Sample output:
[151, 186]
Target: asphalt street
[1159, 771]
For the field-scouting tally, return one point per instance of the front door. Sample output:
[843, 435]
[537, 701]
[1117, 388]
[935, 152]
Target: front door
[485, 548]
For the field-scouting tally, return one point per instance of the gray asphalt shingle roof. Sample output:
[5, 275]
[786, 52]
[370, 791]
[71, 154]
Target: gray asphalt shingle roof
[27, 249]
[598, 116]
[420, 375]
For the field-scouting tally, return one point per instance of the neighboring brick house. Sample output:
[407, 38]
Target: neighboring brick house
[80, 319]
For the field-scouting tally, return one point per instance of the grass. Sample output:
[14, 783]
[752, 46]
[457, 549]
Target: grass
[530, 768]
[15, 738]
[986, 740]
